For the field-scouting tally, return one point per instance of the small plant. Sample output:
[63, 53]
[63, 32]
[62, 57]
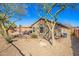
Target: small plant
[9, 40]
[34, 36]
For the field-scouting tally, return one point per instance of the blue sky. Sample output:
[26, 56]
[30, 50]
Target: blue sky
[68, 16]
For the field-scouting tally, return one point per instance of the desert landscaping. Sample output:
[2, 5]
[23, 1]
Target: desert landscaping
[39, 29]
[38, 47]
[35, 45]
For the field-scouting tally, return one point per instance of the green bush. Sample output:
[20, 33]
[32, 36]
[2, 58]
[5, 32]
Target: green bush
[34, 36]
[9, 40]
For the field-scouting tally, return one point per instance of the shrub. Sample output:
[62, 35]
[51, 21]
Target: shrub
[9, 40]
[34, 36]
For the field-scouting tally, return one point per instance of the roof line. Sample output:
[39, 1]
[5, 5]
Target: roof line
[49, 21]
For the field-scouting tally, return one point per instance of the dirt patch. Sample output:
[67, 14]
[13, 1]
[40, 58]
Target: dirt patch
[37, 47]
[7, 49]
[41, 47]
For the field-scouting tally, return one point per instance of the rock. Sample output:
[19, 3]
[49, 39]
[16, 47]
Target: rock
[43, 44]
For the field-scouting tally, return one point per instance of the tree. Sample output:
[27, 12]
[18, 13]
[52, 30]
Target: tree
[47, 9]
[7, 11]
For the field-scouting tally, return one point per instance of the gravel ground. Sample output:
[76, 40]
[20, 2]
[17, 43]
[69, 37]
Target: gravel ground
[39, 47]
[7, 49]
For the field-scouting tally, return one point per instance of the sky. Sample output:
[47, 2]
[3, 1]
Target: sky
[68, 16]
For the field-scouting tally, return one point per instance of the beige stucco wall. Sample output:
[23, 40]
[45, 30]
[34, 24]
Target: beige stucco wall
[36, 26]
[66, 30]
[24, 29]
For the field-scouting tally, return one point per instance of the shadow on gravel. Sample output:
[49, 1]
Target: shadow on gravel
[75, 46]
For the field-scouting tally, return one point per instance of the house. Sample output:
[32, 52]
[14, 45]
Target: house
[41, 27]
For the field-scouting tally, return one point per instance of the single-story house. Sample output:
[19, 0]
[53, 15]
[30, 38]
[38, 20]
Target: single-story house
[41, 26]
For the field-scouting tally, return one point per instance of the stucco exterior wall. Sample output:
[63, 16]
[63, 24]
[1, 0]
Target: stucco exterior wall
[64, 29]
[24, 29]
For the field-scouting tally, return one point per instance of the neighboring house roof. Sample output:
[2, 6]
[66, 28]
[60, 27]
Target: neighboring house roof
[10, 28]
[76, 28]
[50, 21]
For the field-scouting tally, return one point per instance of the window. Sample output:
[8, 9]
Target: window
[64, 35]
[57, 27]
[57, 31]
[33, 29]
[41, 28]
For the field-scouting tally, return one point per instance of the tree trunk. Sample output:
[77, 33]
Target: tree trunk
[5, 36]
[18, 49]
[53, 32]
[3, 30]
[53, 38]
